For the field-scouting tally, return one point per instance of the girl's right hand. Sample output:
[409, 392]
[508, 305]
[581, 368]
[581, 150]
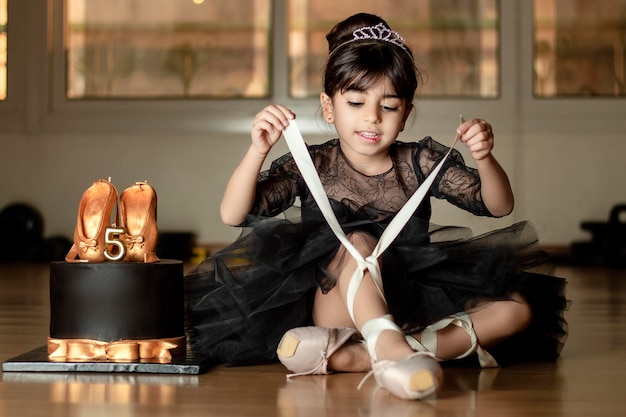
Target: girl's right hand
[268, 126]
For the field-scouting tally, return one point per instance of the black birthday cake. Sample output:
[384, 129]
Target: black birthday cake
[113, 299]
[116, 311]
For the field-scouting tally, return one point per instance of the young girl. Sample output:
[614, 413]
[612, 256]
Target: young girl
[286, 288]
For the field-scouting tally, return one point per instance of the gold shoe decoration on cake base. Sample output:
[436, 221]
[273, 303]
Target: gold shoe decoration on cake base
[138, 216]
[159, 350]
[94, 216]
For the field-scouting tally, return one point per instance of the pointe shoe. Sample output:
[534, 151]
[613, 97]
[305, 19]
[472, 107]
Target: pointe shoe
[414, 377]
[94, 216]
[138, 216]
[305, 350]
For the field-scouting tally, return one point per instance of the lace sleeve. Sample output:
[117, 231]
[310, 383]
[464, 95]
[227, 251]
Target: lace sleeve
[277, 187]
[456, 182]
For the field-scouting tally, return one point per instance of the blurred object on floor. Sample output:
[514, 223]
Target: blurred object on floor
[176, 245]
[22, 233]
[608, 240]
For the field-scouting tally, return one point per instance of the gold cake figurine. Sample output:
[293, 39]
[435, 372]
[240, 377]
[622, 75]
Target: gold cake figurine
[105, 233]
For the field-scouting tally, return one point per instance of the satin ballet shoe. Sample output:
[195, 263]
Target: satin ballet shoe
[97, 205]
[138, 217]
[462, 320]
[413, 378]
[305, 350]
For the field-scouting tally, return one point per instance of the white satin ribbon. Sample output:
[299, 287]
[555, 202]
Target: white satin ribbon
[303, 160]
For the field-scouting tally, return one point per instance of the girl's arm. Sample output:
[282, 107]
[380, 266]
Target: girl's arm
[496, 190]
[241, 188]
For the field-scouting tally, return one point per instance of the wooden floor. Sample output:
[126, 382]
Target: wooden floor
[589, 380]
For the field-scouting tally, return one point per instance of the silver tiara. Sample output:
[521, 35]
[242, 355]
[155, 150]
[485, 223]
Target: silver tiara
[380, 32]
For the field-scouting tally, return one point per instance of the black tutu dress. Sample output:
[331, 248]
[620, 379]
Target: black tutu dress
[241, 300]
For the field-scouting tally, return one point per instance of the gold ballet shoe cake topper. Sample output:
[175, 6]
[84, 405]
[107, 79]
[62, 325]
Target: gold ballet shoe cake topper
[138, 211]
[108, 230]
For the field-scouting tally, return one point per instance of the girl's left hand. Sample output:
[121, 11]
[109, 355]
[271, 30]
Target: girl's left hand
[477, 135]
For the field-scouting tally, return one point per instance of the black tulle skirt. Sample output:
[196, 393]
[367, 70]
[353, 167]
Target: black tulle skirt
[241, 300]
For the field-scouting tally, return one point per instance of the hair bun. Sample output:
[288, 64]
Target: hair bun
[343, 31]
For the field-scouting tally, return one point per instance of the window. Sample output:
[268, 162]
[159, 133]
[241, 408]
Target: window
[579, 48]
[221, 48]
[180, 66]
[3, 49]
[167, 49]
[457, 41]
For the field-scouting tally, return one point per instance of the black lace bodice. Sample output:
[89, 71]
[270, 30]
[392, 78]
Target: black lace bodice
[354, 195]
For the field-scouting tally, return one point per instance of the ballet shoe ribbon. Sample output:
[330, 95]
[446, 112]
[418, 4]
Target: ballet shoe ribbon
[302, 158]
[462, 320]
[122, 350]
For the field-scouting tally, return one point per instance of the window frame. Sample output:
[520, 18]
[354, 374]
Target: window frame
[579, 114]
[12, 108]
[234, 115]
[36, 88]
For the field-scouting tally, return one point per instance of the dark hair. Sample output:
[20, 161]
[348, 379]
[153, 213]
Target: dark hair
[362, 63]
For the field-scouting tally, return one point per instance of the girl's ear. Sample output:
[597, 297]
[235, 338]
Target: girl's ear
[327, 108]
[407, 111]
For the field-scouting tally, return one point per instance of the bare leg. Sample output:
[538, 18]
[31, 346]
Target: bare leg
[493, 322]
[330, 310]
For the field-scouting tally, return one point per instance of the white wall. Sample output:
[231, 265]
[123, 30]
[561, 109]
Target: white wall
[560, 177]
[565, 157]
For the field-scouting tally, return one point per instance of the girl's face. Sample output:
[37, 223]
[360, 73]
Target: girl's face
[367, 121]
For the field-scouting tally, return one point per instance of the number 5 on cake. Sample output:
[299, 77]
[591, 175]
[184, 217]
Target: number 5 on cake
[112, 237]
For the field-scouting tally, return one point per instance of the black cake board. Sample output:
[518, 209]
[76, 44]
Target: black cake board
[37, 361]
